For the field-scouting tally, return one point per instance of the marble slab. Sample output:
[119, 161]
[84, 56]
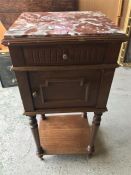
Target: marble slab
[42, 24]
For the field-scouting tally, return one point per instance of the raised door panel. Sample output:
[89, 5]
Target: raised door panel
[64, 89]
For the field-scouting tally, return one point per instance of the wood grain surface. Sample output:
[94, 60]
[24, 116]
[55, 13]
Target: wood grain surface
[67, 134]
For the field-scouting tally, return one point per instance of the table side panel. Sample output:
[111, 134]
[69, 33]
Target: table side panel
[112, 53]
[105, 86]
[25, 91]
[17, 56]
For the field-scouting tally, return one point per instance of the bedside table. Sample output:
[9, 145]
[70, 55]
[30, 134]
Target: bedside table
[64, 62]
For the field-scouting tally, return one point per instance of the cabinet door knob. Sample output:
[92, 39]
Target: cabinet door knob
[14, 80]
[34, 94]
[65, 57]
[10, 68]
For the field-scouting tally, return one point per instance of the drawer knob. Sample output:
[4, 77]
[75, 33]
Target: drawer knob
[65, 57]
[34, 94]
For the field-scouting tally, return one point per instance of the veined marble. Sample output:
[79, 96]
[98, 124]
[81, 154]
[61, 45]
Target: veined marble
[37, 24]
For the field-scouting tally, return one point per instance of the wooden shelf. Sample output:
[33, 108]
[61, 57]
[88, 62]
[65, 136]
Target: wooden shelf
[64, 134]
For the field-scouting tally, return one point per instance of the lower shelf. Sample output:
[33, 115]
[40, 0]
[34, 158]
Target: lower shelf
[65, 134]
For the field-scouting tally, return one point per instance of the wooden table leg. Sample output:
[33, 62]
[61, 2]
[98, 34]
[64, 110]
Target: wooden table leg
[35, 132]
[43, 117]
[85, 115]
[95, 126]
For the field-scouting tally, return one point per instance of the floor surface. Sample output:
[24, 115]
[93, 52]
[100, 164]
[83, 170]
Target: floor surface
[113, 151]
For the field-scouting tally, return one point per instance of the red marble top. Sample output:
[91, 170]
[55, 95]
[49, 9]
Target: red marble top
[41, 24]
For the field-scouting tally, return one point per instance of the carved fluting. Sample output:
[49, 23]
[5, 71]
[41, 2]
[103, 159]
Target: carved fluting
[53, 56]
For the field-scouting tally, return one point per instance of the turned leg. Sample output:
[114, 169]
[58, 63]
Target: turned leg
[43, 117]
[85, 115]
[35, 132]
[95, 126]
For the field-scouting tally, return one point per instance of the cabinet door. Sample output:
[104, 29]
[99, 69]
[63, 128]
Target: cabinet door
[64, 89]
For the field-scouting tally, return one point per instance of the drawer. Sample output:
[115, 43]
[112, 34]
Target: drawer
[65, 89]
[64, 55]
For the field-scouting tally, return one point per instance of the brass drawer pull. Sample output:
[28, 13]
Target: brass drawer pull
[65, 57]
